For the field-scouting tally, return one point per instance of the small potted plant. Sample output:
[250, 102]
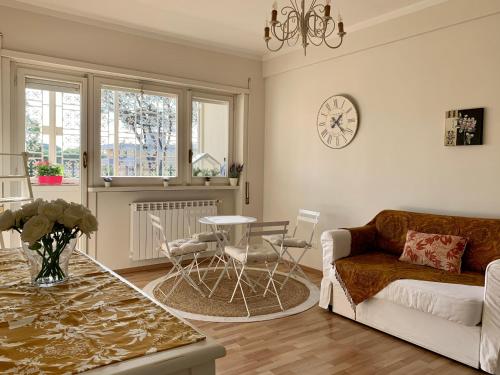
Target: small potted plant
[107, 181]
[207, 181]
[165, 181]
[49, 174]
[234, 173]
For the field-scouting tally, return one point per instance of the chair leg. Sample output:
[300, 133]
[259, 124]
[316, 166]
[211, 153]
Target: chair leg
[238, 283]
[273, 284]
[271, 278]
[218, 280]
[295, 267]
[238, 280]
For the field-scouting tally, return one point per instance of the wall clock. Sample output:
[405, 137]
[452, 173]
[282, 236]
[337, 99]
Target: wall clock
[337, 121]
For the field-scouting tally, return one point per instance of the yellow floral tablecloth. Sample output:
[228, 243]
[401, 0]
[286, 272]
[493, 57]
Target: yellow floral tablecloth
[92, 320]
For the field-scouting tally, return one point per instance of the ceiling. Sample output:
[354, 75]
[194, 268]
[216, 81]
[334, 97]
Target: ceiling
[230, 25]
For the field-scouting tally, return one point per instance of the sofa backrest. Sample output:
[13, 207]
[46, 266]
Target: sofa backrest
[483, 235]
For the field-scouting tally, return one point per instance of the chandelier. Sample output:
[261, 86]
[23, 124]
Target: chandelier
[313, 25]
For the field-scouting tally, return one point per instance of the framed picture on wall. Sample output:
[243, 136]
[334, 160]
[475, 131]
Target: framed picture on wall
[464, 127]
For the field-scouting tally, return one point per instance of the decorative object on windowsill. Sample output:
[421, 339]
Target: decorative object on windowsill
[207, 181]
[311, 25]
[107, 181]
[165, 181]
[206, 172]
[49, 174]
[464, 127]
[49, 231]
[234, 173]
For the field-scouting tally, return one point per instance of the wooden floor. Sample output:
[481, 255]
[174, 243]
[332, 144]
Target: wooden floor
[314, 342]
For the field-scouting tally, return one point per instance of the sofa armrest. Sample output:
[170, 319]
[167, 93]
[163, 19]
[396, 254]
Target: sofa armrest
[336, 244]
[490, 331]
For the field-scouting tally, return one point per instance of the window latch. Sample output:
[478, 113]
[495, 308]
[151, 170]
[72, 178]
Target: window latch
[85, 159]
[190, 156]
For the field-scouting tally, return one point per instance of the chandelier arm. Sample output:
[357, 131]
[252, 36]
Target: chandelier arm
[275, 49]
[290, 42]
[334, 46]
[285, 27]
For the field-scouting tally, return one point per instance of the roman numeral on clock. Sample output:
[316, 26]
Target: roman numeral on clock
[329, 139]
[322, 124]
[327, 105]
[335, 103]
[351, 120]
[324, 133]
[349, 110]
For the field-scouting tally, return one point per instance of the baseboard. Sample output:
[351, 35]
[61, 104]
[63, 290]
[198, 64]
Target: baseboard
[148, 267]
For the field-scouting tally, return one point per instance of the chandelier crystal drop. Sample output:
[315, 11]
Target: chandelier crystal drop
[311, 25]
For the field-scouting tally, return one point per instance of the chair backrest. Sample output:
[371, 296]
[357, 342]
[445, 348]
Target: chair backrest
[159, 234]
[307, 216]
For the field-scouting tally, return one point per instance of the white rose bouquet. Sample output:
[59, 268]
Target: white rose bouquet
[47, 228]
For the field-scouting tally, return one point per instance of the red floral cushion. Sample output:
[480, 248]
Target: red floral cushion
[440, 251]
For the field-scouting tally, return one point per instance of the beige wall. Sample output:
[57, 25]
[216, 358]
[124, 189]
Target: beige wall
[41, 34]
[402, 85]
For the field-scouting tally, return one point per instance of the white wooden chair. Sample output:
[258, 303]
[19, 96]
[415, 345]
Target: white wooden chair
[306, 223]
[177, 251]
[246, 254]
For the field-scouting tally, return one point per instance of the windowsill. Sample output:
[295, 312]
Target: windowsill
[112, 189]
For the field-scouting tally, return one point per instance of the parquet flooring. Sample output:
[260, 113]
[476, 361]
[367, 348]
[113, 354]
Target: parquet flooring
[315, 342]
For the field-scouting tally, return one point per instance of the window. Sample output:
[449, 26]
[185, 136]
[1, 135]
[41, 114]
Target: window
[52, 125]
[138, 133]
[210, 137]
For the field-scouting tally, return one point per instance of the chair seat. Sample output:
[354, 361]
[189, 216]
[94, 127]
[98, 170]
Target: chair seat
[210, 236]
[185, 246]
[289, 241]
[256, 254]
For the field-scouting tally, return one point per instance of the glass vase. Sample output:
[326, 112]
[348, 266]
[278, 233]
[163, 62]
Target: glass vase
[48, 266]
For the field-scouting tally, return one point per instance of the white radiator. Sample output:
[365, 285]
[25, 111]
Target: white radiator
[178, 218]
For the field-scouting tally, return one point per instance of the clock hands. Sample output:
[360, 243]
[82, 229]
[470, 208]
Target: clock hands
[336, 122]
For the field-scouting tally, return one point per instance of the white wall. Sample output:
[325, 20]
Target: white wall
[402, 85]
[55, 37]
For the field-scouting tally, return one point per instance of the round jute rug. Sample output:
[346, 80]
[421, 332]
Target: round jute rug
[297, 296]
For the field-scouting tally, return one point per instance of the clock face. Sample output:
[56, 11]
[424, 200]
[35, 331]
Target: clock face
[337, 121]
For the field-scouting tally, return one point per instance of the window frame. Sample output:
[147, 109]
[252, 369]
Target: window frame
[209, 97]
[24, 72]
[99, 83]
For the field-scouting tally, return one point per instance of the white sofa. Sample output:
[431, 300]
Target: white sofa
[458, 321]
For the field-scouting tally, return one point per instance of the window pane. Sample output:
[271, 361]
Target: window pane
[210, 138]
[138, 133]
[52, 124]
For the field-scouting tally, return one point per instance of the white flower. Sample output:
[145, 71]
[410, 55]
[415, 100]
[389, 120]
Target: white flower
[35, 228]
[18, 215]
[62, 203]
[72, 215]
[52, 210]
[7, 220]
[31, 209]
[88, 224]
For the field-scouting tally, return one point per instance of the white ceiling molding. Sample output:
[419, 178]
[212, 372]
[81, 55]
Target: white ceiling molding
[444, 14]
[401, 12]
[208, 25]
[115, 26]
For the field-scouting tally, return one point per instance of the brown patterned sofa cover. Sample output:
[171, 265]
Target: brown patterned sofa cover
[360, 262]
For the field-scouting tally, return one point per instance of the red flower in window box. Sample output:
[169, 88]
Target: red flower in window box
[49, 174]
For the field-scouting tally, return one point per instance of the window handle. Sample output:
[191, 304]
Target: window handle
[190, 156]
[85, 159]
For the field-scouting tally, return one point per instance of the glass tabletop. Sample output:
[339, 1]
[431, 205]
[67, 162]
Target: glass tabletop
[227, 220]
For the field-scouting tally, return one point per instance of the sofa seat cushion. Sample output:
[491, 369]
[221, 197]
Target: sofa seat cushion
[458, 303]
[363, 276]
